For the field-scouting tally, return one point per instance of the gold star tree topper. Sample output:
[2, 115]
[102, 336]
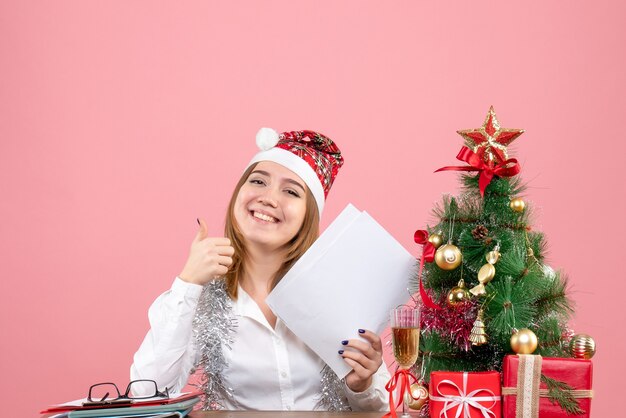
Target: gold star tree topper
[490, 141]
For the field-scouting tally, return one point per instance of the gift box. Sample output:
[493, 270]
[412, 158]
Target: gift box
[525, 395]
[465, 394]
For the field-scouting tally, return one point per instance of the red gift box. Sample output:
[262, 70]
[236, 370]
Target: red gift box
[518, 372]
[464, 394]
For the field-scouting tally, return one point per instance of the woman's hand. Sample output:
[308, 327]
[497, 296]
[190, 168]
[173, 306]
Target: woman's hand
[365, 359]
[209, 258]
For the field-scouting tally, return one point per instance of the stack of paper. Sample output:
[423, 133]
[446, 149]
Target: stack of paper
[174, 406]
[349, 279]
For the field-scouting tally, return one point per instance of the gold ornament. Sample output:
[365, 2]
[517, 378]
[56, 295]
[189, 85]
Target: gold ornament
[420, 393]
[582, 346]
[458, 293]
[436, 240]
[517, 204]
[490, 141]
[478, 336]
[486, 273]
[448, 257]
[529, 251]
[524, 341]
[493, 256]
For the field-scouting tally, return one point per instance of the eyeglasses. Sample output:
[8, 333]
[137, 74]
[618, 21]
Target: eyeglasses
[102, 393]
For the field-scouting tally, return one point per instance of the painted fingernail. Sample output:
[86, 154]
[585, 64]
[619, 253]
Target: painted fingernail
[340, 351]
[344, 342]
[361, 331]
[198, 220]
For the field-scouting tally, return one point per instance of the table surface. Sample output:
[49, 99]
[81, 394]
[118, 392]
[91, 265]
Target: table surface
[279, 414]
[283, 414]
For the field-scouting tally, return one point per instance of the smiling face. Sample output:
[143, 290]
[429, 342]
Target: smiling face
[270, 206]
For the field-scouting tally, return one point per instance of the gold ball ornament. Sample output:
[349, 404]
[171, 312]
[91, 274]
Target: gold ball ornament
[517, 204]
[448, 257]
[582, 346]
[458, 294]
[419, 397]
[524, 341]
[436, 240]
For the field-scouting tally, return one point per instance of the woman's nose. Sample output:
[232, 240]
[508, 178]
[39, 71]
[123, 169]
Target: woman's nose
[268, 199]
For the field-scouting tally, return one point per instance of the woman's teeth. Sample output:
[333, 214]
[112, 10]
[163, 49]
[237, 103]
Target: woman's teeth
[264, 217]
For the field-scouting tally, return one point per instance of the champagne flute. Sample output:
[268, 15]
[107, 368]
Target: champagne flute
[405, 330]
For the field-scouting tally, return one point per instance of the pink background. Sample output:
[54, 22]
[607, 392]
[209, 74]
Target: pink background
[123, 121]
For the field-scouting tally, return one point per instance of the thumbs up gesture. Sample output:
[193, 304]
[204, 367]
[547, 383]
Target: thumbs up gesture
[209, 258]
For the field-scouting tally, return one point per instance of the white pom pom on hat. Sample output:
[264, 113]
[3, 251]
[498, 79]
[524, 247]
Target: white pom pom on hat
[266, 138]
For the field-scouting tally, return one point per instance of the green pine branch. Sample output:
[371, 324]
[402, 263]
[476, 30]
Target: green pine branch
[538, 245]
[549, 332]
[513, 260]
[499, 186]
[511, 307]
[475, 250]
[560, 393]
[555, 298]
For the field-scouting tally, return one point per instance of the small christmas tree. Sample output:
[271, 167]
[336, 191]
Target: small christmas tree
[484, 276]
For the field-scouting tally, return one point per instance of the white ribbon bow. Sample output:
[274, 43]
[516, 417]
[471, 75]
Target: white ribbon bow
[465, 400]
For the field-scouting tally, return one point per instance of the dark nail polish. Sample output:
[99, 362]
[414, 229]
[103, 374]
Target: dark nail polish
[340, 351]
[361, 331]
[344, 342]
[198, 220]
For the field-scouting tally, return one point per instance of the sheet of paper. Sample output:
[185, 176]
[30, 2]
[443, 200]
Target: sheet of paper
[321, 246]
[349, 279]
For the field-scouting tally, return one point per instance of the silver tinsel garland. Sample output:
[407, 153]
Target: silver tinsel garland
[332, 396]
[213, 327]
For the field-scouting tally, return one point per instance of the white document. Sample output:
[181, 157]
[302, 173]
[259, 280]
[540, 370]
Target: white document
[350, 278]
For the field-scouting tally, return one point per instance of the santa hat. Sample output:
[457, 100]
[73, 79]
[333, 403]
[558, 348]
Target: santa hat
[311, 155]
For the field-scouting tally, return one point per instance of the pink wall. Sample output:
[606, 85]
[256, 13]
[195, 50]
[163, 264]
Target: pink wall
[121, 122]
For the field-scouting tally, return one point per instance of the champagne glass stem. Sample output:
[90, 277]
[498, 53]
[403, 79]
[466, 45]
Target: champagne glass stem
[404, 414]
[405, 401]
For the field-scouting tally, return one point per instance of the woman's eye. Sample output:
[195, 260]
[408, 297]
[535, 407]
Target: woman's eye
[293, 193]
[257, 181]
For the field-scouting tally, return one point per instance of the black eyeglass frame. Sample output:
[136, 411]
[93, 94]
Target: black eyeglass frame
[105, 399]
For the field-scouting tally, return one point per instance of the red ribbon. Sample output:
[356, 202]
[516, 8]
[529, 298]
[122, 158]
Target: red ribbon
[428, 255]
[402, 376]
[508, 168]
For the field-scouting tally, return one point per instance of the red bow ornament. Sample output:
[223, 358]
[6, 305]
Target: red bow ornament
[403, 378]
[488, 170]
[428, 255]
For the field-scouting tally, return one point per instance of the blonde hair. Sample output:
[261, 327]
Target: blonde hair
[301, 242]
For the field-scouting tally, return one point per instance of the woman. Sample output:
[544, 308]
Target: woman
[215, 317]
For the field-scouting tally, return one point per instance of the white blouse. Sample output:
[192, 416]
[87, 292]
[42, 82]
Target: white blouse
[268, 368]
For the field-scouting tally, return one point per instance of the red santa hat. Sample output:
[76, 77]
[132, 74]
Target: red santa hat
[312, 156]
